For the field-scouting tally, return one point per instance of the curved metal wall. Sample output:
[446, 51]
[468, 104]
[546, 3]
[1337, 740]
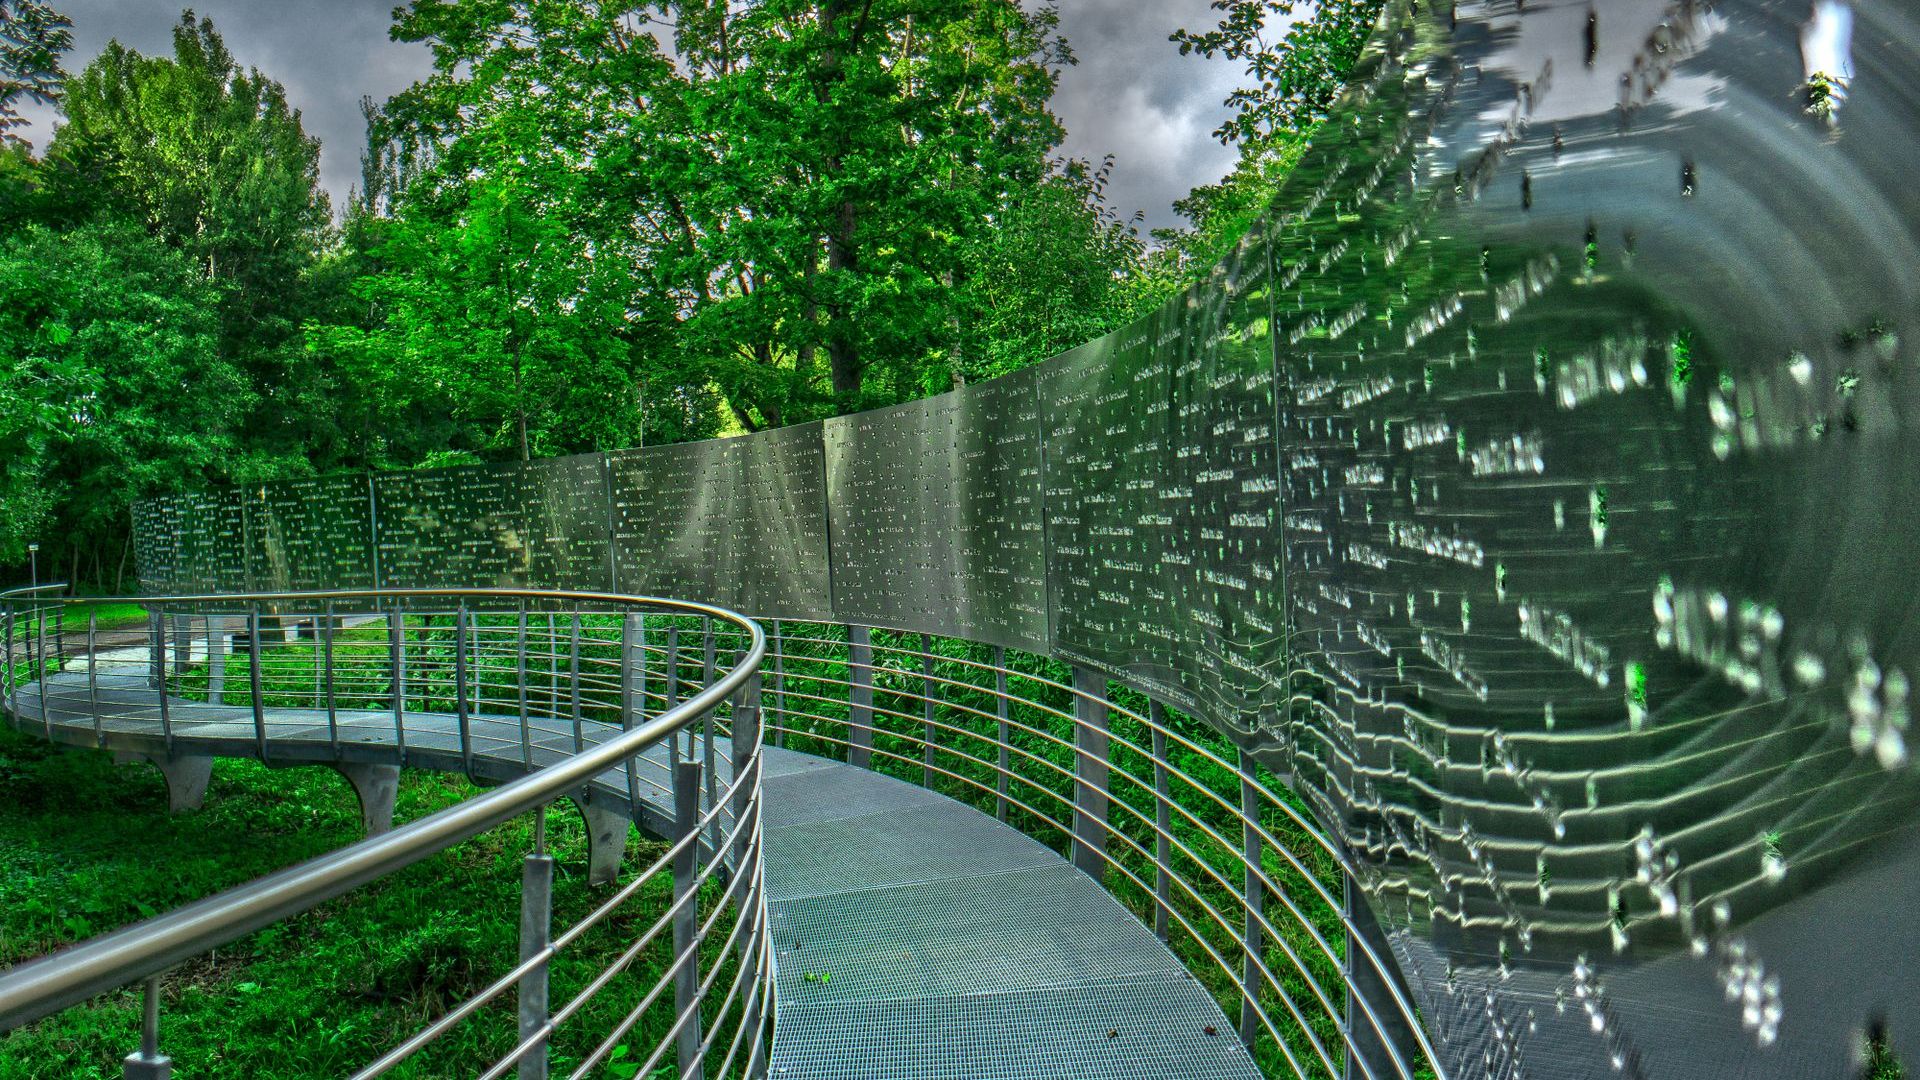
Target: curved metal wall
[1534, 486]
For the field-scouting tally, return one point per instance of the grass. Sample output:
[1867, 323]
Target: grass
[89, 848]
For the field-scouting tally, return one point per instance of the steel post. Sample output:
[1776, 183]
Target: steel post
[1253, 940]
[686, 944]
[1162, 822]
[860, 696]
[536, 933]
[253, 680]
[1090, 739]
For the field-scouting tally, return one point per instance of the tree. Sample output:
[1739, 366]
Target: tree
[33, 38]
[211, 160]
[797, 194]
[1292, 81]
[113, 387]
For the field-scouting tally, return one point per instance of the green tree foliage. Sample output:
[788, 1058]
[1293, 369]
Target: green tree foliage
[112, 387]
[33, 38]
[1297, 57]
[802, 207]
[211, 160]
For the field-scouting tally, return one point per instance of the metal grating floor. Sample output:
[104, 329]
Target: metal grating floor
[957, 948]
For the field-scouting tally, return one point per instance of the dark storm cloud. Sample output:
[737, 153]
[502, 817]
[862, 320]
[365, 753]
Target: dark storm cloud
[1133, 95]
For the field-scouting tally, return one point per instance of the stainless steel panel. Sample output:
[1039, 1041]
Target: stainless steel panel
[537, 525]
[738, 522]
[1597, 329]
[310, 534]
[935, 508]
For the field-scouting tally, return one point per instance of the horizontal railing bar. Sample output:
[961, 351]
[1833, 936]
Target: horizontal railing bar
[41, 987]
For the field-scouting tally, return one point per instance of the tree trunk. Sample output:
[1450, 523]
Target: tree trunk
[843, 351]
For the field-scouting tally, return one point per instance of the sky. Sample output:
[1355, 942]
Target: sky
[1132, 94]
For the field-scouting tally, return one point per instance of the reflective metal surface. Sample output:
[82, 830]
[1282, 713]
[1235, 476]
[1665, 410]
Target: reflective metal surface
[736, 521]
[537, 525]
[936, 519]
[1534, 489]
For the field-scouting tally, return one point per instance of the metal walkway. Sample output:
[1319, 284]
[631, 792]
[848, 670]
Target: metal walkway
[916, 938]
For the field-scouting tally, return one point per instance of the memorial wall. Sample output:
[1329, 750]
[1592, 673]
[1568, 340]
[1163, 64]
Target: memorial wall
[1533, 488]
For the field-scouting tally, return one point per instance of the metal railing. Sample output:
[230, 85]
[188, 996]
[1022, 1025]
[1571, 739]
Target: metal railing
[1187, 829]
[565, 692]
[1194, 835]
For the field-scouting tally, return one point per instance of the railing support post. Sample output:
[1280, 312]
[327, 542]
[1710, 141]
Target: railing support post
[1001, 710]
[182, 642]
[536, 933]
[397, 648]
[326, 670]
[216, 660]
[1253, 938]
[860, 696]
[1090, 772]
[149, 1063]
[686, 957]
[253, 680]
[1368, 1052]
[926, 701]
[633, 690]
[460, 688]
[157, 650]
[782, 720]
[744, 748]
[93, 676]
[1162, 822]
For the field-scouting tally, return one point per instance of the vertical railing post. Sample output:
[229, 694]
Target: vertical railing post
[43, 671]
[93, 677]
[744, 748]
[216, 660]
[927, 740]
[1090, 772]
[1378, 1032]
[326, 671]
[686, 955]
[781, 719]
[573, 682]
[182, 641]
[1001, 707]
[680, 742]
[536, 933]
[633, 691]
[1254, 939]
[1162, 822]
[709, 753]
[520, 672]
[254, 681]
[860, 696]
[157, 657]
[460, 687]
[148, 1063]
[397, 648]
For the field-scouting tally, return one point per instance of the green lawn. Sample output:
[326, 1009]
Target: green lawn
[89, 847]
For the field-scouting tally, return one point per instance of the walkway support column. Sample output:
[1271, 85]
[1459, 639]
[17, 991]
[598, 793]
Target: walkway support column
[1090, 739]
[536, 933]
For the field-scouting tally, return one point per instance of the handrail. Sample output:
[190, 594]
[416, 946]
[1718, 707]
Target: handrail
[45, 985]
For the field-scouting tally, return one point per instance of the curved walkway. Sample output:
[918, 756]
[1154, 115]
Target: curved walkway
[916, 938]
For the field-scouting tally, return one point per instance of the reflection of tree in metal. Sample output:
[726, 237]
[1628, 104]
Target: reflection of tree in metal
[1533, 487]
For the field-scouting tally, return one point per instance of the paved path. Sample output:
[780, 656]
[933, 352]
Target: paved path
[954, 947]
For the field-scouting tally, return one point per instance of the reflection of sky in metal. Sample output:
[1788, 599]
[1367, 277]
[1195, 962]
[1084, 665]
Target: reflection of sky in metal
[1574, 54]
